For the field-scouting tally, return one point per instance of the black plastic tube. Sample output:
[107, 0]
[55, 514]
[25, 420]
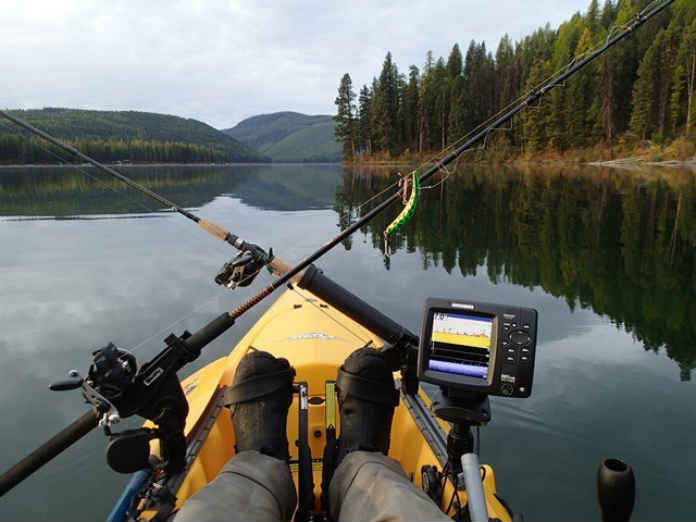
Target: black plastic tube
[351, 305]
[48, 450]
[209, 332]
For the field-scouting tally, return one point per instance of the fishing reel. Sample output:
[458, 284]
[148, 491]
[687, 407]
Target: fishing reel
[117, 388]
[244, 267]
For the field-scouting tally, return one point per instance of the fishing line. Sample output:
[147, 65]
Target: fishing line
[311, 301]
[535, 94]
[195, 310]
[104, 184]
[130, 195]
[532, 97]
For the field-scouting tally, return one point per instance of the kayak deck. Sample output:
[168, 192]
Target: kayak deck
[316, 339]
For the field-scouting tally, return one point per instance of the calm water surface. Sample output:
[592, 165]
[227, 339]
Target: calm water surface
[607, 257]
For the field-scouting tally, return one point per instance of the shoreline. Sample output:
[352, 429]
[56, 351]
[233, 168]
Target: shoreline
[625, 163]
[141, 165]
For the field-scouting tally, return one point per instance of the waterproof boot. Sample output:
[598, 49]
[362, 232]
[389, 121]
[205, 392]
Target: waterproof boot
[366, 400]
[259, 399]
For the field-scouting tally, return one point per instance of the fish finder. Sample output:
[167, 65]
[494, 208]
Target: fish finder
[484, 348]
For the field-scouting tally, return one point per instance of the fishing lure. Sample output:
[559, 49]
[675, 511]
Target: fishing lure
[408, 210]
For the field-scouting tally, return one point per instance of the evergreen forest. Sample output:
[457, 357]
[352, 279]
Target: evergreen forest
[118, 136]
[639, 92]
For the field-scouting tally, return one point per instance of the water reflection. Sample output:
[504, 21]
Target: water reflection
[60, 192]
[620, 243]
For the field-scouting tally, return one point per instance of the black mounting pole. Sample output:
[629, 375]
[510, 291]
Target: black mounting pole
[78, 429]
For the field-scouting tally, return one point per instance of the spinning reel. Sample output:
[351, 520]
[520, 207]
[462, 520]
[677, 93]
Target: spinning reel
[244, 267]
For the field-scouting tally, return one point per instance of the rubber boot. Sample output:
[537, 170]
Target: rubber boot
[261, 396]
[366, 409]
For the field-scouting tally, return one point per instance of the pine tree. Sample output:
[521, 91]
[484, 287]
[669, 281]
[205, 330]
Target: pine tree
[387, 106]
[364, 132]
[345, 129]
[426, 102]
[592, 18]
[626, 65]
[603, 107]
[581, 92]
[411, 104]
[684, 80]
[505, 75]
[644, 115]
[563, 52]
[535, 120]
[439, 119]
[374, 115]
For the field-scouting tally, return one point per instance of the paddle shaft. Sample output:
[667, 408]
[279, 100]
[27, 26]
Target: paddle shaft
[48, 450]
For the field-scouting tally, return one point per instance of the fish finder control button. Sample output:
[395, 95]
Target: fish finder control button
[519, 337]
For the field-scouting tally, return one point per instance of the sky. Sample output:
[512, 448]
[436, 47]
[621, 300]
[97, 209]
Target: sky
[221, 61]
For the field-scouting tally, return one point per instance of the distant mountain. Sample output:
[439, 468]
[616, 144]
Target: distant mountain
[134, 128]
[289, 136]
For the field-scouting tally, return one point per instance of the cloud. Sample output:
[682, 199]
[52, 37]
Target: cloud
[221, 62]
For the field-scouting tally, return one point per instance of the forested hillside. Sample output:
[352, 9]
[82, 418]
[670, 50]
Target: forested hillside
[641, 90]
[289, 136]
[120, 136]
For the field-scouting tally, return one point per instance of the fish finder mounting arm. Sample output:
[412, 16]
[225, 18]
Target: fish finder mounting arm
[472, 350]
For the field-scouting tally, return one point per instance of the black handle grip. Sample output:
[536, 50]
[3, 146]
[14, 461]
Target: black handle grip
[51, 448]
[616, 490]
[354, 307]
[208, 333]
[67, 384]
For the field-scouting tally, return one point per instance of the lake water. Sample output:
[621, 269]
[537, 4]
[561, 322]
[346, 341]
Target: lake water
[607, 258]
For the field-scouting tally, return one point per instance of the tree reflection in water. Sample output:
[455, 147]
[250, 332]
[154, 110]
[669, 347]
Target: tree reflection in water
[622, 243]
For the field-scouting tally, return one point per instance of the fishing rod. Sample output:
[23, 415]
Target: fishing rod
[532, 98]
[238, 272]
[116, 388]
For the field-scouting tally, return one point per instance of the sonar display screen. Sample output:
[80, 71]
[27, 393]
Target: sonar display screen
[460, 344]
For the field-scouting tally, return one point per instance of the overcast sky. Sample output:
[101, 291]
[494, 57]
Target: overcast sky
[221, 61]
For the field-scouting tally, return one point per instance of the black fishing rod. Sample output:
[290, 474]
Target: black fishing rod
[532, 98]
[136, 394]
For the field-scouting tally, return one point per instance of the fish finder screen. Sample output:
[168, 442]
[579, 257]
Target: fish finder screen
[460, 344]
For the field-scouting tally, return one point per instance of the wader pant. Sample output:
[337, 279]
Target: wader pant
[253, 487]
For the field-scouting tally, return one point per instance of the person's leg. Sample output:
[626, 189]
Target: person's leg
[367, 485]
[255, 484]
[250, 487]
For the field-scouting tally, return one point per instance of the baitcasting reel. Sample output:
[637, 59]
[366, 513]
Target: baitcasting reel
[117, 388]
[244, 267]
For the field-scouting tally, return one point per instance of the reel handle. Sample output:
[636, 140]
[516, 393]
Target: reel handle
[68, 384]
[48, 450]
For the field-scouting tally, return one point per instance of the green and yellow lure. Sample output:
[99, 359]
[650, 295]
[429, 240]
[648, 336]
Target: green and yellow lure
[408, 210]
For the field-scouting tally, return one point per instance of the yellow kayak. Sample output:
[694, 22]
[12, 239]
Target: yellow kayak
[316, 338]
